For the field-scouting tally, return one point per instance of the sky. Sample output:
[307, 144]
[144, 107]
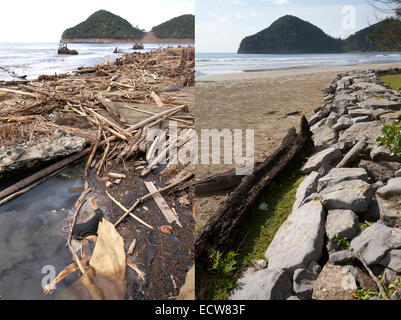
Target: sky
[45, 20]
[220, 25]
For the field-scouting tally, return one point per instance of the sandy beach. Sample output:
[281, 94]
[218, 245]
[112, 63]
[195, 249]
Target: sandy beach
[261, 101]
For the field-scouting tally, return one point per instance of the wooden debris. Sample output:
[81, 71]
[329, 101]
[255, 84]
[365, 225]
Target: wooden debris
[131, 247]
[116, 175]
[157, 99]
[162, 204]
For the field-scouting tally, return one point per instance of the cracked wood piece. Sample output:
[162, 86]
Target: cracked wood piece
[162, 204]
[157, 99]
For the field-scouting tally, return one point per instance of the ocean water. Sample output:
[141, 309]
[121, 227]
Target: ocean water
[33, 59]
[223, 63]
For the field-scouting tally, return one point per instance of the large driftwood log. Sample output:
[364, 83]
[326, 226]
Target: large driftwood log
[217, 183]
[217, 232]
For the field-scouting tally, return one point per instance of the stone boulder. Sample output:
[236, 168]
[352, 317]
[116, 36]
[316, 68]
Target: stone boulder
[369, 130]
[304, 280]
[343, 223]
[380, 171]
[321, 159]
[306, 188]
[324, 136]
[299, 240]
[392, 260]
[393, 187]
[375, 103]
[375, 241]
[390, 210]
[334, 283]
[27, 155]
[337, 175]
[353, 195]
[266, 284]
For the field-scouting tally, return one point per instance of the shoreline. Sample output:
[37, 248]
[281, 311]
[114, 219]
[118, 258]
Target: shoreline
[274, 73]
[263, 101]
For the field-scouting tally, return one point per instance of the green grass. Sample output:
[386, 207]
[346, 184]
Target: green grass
[392, 80]
[257, 231]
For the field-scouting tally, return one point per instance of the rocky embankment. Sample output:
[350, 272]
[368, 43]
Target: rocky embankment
[343, 234]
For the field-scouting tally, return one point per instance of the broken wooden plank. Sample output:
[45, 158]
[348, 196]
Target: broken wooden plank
[162, 204]
[157, 99]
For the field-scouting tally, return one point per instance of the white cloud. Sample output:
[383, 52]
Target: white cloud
[281, 2]
[222, 19]
[238, 15]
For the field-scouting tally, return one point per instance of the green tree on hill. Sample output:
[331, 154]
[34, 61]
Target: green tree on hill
[182, 27]
[103, 25]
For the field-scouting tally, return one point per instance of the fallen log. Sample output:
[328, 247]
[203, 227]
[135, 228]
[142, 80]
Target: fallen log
[218, 183]
[42, 173]
[218, 231]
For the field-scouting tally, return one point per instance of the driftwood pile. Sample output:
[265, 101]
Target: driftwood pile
[89, 104]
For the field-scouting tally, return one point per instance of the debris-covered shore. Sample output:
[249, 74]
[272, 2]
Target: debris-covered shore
[122, 120]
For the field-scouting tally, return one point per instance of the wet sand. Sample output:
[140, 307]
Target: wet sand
[260, 101]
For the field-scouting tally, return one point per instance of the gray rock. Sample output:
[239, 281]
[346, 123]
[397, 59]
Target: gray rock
[293, 298]
[334, 283]
[341, 257]
[375, 241]
[39, 150]
[318, 116]
[303, 282]
[365, 282]
[392, 260]
[362, 119]
[372, 214]
[390, 210]
[398, 174]
[374, 103]
[369, 130]
[354, 195]
[322, 158]
[343, 223]
[372, 87]
[306, 188]
[318, 124]
[345, 98]
[324, 136]
[382, 154]
[343, 123]
[337, 175]
[266, 284]
[331, 119]
[353, 154]
[314, 267]
[393, 187]
[380, 171]
[299, 240]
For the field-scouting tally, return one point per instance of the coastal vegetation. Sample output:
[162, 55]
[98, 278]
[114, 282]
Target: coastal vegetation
[290, 34]
[103, 25]
[182, 27]
[106, 25]
[373, 38]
